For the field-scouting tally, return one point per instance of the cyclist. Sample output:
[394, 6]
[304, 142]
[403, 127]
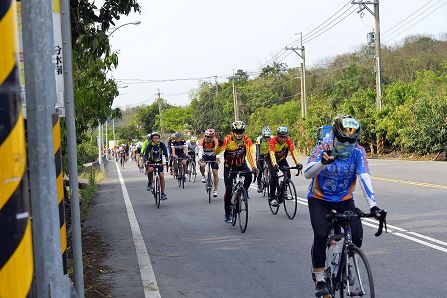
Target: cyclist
[333, 167]
[154, 154]
[279, 147]
[262, 151]
[236, 148]
[171, 138]
[193, 149]
[207, 146]
[179, 150]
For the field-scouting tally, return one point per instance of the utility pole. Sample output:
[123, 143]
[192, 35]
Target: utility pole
[114, 135]
[70, 123]
[377, 47]
[303, 76]
[159, 109]
[41, 93]
[107, 143]
[236, 107]
[216, 84]
[16, 261]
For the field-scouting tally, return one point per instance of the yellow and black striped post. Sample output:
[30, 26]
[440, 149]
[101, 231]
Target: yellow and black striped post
[16, 251]
[60, 187]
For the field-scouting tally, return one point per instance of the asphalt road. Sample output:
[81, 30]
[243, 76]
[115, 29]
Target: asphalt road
[195, 254]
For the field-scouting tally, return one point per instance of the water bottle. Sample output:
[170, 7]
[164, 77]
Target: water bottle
[334, 253]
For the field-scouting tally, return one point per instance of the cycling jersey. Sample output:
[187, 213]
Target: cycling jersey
[235, 151]
[262, 146]
[178, 146]
[279, 151]
[192, 148]
[336, 182]
[208, 146]
[144, 146]
[154, 152]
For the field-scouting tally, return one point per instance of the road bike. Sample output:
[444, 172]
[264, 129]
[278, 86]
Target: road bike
[286, 193]
[348, 271]
[122, 159]
[192, 173]
[209, 185]
[180, 173]
[265, 179]
[156, 186]
[239, 200]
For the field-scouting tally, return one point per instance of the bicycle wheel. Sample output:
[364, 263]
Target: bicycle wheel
[157, 192]
[179, 175]
[209, 183]
[194, 173]
[273, 209]
[243, 209]
[190, 171]
[266, 183]
[183, 177]
[357, 278]
[290, 202]
[234, 209]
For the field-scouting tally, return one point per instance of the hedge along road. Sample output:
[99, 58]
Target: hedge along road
[194, 253]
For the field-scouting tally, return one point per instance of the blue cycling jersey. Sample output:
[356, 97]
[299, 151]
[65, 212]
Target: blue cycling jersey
[336, 182]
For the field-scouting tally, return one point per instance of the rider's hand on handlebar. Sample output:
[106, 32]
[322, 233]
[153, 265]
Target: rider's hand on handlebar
[299, 166]
[376, 211]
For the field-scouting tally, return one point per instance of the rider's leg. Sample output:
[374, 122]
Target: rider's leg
[162, 182]
[228, 180]
[185, 166]
[248, 176]
[150, 176]
[273, 180]
[260, 166]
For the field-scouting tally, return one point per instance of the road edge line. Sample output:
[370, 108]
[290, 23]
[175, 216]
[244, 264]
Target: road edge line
[147, 274]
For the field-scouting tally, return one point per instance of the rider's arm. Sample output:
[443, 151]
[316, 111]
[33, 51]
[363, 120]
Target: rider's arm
[293, 150]
[165, 150]
[314, 165]
[258, 147]
[248, 144]
[218, 149]
[272, 150]
[362, 170]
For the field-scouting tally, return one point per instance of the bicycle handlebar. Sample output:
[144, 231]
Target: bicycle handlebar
[291, 168]
[350, 215]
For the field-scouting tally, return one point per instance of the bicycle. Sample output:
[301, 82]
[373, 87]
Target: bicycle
[192, 173]
[286, 193]
[348, 271]
[239, 200]
[122, 160]
[156, 186]
[265, 180]
[209, 185]
[180, 173]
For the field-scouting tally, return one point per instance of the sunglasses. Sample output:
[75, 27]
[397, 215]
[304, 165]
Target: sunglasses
[239, 131]
[346, 140]
[283, 137]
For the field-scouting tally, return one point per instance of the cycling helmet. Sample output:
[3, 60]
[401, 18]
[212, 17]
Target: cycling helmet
[282, 131]
[238, 126]
[346, 128]
[177, 135]
[266, 132]
[148, 136]
[155, 133]
[193, 139]
[209, 132]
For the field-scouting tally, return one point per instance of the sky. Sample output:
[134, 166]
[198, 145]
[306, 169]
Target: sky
[199, 39]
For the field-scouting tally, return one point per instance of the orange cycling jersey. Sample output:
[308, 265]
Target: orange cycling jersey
[208, 146]
[279, 151]
[235, 151]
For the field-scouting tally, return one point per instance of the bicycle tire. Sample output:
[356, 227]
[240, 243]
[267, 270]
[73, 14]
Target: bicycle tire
[243, 209]
[189, 171]
[194, 173]
[157, 191]
[290, 200]
[273, 209]
[359, 277]
[183, 178]
[179, 175]
[210, 185]
[233, 211]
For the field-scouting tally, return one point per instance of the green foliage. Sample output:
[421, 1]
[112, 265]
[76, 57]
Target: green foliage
[176, 119]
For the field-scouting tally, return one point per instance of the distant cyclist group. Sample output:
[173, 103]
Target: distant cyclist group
[334, 166]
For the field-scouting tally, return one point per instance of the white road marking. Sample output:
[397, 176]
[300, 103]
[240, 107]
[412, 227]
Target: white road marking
[374, 224]
[150, 285]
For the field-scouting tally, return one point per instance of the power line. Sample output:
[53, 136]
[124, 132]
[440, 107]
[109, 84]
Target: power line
[321, 32]
[386, 32]
[399, 32]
